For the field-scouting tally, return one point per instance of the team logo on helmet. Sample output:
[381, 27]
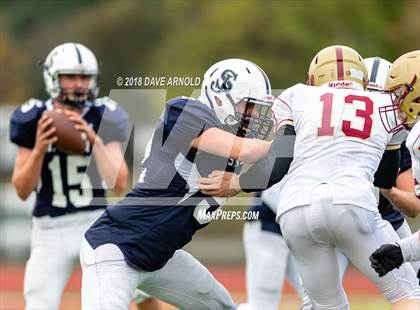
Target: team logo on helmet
[226, 84]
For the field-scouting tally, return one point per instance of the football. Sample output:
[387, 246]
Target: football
[70, 140]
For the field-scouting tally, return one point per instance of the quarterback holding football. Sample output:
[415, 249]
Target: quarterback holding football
[56, 140]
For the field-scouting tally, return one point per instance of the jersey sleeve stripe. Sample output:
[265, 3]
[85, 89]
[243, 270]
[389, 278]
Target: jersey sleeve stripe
[287, 121]
[285, 103]
[273, 116]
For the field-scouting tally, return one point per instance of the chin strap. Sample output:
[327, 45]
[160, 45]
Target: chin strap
[80, 104]
[73, 103]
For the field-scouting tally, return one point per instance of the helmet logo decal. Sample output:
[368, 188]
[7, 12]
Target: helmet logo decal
[225, 84]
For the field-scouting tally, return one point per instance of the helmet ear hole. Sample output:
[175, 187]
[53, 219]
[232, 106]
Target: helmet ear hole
[218, 101]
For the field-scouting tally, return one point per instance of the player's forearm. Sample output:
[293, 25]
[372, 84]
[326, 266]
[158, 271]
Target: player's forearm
[407, 202]
[113, 169]
[219, 142]
[26, 177]
[250, 150]
[273, 167]
[243, 149]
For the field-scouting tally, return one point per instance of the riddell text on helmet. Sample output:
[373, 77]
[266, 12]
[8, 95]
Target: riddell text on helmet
[345, 84]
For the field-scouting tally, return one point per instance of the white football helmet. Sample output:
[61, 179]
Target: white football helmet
[232, 81]
[70, 58]
[377, 72]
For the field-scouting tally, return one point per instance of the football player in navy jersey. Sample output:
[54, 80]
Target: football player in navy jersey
[138, 241]
[264, 235]
[69, 196]
[263, 242]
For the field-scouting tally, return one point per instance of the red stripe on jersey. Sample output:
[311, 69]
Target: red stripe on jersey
[285, 103]
[340, 65]
[273, 116]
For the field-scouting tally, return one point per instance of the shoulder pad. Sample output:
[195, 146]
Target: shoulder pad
[106, 102]
[113, 118]
[183, 101]
[24, 121]
[28, 112]
[30, 104]
[110, 110]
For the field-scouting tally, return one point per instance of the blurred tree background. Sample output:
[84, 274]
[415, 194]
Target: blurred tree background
[182, 38]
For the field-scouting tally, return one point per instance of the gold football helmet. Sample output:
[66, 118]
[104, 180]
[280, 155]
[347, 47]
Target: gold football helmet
[403, 82]
[338, 66]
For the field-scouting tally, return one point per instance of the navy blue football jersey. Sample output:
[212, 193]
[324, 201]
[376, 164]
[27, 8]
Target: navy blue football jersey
[63, 187]
[387, 210]
[162, 212]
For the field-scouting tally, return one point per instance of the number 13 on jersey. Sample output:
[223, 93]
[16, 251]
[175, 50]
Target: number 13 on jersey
[326, 129]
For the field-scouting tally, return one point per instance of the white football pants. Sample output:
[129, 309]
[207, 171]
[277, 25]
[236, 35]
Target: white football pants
[55, 245]
[402, 232]
[268, 262]
[109, 282]
[312, 233]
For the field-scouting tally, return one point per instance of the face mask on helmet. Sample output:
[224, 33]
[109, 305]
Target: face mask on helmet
[253, 118]
[76, 89]
[403, 85]
[63, 65]
[239, 93]
[404, 115]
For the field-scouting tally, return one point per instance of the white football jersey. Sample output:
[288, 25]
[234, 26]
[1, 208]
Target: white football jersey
[413, 145]
[271, 196]
[340, 140]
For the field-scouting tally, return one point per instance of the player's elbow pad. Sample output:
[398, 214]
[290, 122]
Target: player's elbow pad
[272, 168]
[387, 172]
